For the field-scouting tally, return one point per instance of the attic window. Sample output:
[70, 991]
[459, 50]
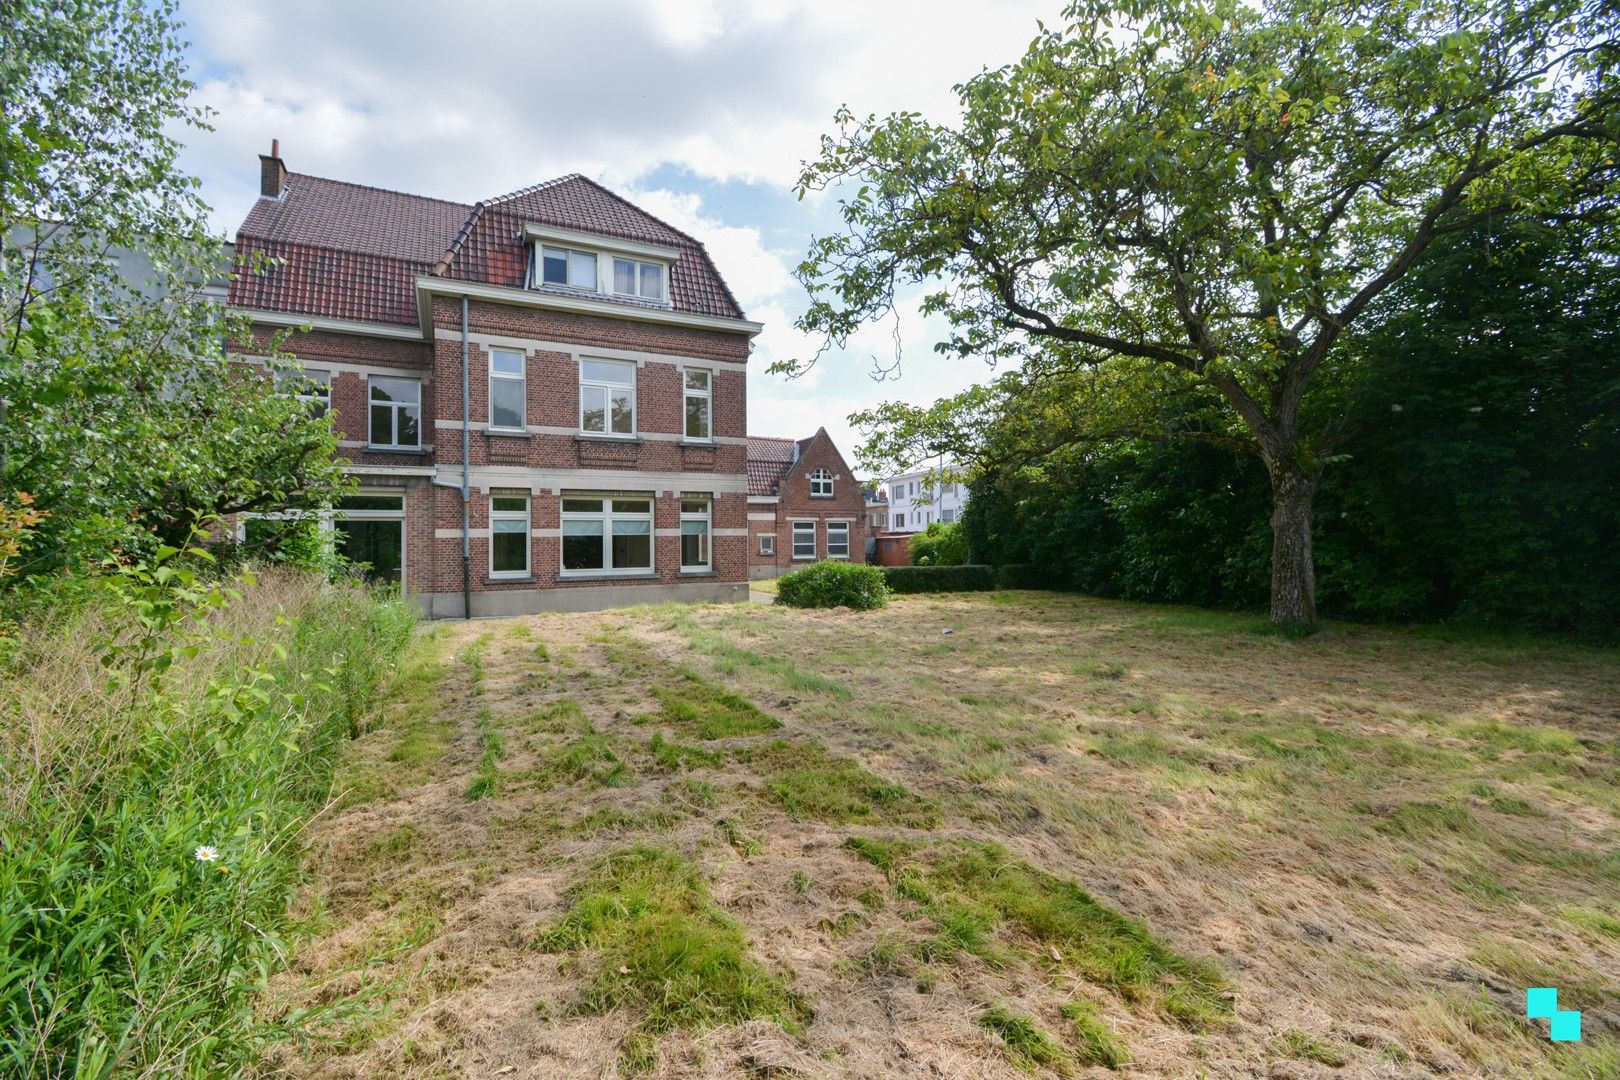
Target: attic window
[632, 277]
[562, 266]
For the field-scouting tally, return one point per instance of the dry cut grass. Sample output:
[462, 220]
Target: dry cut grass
[1068, 836]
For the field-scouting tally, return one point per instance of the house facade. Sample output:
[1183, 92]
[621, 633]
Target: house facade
[541, 395]
[804, 505]
[916, 501]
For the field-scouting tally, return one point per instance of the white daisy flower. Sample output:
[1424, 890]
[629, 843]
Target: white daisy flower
[206, 854]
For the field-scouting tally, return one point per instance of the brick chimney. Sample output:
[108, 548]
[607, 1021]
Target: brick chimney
[272, 172]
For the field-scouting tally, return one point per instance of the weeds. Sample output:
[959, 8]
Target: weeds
[1026, 1043]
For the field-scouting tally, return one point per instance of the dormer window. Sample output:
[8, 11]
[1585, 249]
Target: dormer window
[564, 266]
[634, 278]
[606, 265]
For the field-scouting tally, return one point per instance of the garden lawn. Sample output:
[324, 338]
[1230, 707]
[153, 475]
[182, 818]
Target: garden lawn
[987, 835]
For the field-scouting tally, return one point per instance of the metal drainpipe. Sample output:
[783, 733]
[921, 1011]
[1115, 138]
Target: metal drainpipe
[466, 473]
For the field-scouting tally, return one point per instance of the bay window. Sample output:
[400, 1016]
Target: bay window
[602, 534]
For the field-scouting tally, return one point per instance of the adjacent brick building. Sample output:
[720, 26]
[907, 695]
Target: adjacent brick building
[804, 504]
[602, 456]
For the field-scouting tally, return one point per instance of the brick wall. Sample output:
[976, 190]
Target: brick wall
[796, 503]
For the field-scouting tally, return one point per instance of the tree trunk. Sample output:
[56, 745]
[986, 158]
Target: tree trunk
[1293, 563]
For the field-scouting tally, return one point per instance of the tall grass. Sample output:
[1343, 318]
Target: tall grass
[149, 827]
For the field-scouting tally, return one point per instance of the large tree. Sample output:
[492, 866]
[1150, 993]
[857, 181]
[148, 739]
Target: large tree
[119, 412]
[1203, 196]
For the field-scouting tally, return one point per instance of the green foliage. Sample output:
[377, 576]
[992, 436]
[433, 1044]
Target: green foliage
[833, 584]
[939, 545]
[119, 410]
[1098, 1044]
[1478, 487]
[666, 952]
[1169, 218]
[151, 834]
[711, 711]
[933, 579]
[814, 785]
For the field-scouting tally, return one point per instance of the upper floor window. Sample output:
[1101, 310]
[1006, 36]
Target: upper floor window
[396, 411]
[564, 266]
[698, 396]
[631, 277]
[607, 397]
[312, 386]
[506, 390]
[821, 482]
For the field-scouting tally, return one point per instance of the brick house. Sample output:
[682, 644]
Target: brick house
[601, 456]
[804, 504]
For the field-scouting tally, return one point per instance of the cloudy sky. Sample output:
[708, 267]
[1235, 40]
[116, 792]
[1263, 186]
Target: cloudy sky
[701, 111]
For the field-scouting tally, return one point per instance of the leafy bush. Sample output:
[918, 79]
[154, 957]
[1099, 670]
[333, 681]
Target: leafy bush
[931, 579]
[833, 584]
[1022, 576]
[939, 545]
[161, 746]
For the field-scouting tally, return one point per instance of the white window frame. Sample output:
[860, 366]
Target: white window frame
[395, 408]
[767, 544]
[695, 515]
[302, 380]
[793, 533]
[837, 526]
[612, 275]
[818, 478]
[540, 281]
[607, 516]
[947, 517]
[899, 521]
[706, 394]
[509, 516]
[607, 401]
[505, 377]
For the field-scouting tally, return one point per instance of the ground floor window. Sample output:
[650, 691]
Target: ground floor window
[509, 536]
[837, 539]
[695, 534]
[767, 543]
[369, 531]
[604, 534]
[804, 539]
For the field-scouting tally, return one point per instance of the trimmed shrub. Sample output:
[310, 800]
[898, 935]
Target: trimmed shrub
[833, 584]
[939, 545]
[929, 579]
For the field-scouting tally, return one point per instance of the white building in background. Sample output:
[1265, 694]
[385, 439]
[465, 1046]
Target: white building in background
[915, 504]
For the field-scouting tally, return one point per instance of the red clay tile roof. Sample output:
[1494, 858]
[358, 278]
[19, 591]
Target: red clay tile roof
[769, 460]
[354, 252]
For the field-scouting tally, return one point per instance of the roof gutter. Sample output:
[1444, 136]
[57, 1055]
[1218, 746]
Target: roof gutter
[428, 287]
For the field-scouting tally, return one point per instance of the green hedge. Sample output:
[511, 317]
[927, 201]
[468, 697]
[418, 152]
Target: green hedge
[929, 579]
[1022, 576]
[833, 584]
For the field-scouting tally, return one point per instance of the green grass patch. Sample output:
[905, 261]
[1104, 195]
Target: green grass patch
[1594, 922]
[1026, 1043]
[562, 717]
[673, 756]
[1098, 1044]
[664, 952]
[1297, 1044]
[975, 892]
[1418, 820]
[813, 785]
[699, 707]
[487, 780]
[590, 756]
[613, 819]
